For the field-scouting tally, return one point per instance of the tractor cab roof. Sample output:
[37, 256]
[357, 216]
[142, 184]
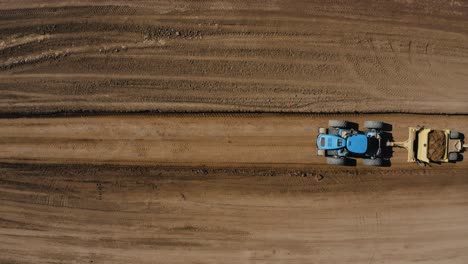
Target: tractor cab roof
[357, 143]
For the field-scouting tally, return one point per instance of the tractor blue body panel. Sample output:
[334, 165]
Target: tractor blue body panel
[330, 142]
[357, 143]
[351, 143]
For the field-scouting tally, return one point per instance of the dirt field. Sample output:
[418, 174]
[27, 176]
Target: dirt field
[219, 188]
[85, 179]
[216, 140]
[310, 56]
[102, 214]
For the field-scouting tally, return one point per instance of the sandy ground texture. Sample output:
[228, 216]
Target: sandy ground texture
[226, 188]
[306, 56]
[220, 189]
[219, 140]
[102, 214]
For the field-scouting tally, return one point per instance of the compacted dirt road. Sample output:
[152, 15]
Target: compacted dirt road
[189, 140]
[220, 188]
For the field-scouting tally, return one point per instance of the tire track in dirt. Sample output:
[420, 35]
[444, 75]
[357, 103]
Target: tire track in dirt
[192, 140]
[294, 54]
[239, 215]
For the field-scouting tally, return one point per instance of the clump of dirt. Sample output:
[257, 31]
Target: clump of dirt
[436, 147]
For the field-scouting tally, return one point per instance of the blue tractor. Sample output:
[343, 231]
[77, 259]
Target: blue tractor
[341, 141]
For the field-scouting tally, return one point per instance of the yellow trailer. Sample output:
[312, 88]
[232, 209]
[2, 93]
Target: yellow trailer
[427, 145]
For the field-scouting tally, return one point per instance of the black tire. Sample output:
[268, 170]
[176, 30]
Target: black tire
[338, 123]
[454, 134]
[337, 161]
[379, 125]
[453, 156]
[373, 162]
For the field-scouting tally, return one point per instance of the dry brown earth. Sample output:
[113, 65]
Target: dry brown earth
[226, 188]
[102, 214]
[306, 56]
[219, 188]
[218, 140]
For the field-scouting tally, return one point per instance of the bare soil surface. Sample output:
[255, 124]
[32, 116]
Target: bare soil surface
[190, 140]
[127, 214]
[220, 188]
[226, 188]
[306, 56]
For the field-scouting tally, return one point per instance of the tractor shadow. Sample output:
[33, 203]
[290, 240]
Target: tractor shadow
[387, 127]
[387, 152]
[353, 125]
[351, 162]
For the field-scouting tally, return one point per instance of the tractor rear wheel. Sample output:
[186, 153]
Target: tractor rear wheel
[337, 161]
[373, 162]
[379, 125]
[338, 123]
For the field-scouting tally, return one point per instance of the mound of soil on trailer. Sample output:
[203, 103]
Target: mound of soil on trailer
[436, 148]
